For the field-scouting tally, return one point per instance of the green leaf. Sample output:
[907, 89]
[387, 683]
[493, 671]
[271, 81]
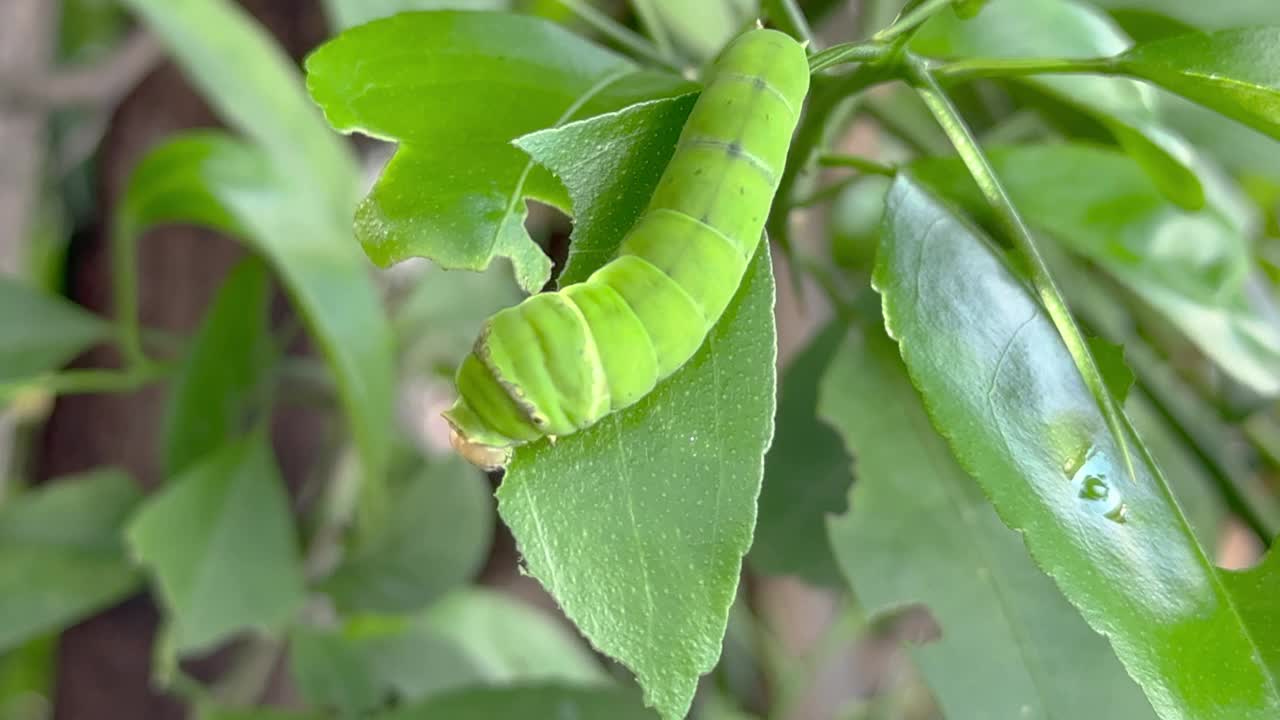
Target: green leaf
[290, 193]
[1066, 28]
[223, 375]
[1191, 267]
[806, 475]
[63, 554]
[436, 538]
[463, 641]
[454, 89]
[1096, 515]
[1201, 14]
[700, 29]
[973, 573]
[219, 540]
[41, 332]
[436, 330]
[522, 703]
[603, 185]
[1187, 477]
[345, 14]
[649, 512]
[26, 678]
[1115, 373]
[1245, 152]
[1235, 72]
[855, 222]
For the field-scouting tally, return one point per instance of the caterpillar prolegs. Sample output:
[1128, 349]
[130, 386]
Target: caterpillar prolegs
[559, 362]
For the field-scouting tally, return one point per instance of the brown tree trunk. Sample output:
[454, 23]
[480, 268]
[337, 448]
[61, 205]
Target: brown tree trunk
[104, 663]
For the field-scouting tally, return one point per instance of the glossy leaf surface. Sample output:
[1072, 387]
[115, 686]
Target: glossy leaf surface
[919, 530]
[64, 555]
[1067, 28]
[1235, 72]
[1191, 267]
[219, 541]
[637, 526]
[454, 89]
[289, 192]
[1095, 513]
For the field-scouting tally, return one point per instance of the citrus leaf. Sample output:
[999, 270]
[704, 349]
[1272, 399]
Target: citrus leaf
[454, 89]
[289, 192]
[40, 332]
[806, 474]
[63, 553]
[972, 572]
[1094, 511]
[602, 184]
[219, 541]
[436, 537]
[1235, 72]
[1067, 28]
[1191, 267]
[1201, 14]
[463, 641]
[637, 526]
[435, 330]
[213, 394]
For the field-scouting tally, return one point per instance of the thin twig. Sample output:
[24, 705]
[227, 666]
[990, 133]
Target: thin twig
[864, 165]
[912, 19]
[979, 68]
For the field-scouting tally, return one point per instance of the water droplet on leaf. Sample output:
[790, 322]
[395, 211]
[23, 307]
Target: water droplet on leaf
[1096, 490]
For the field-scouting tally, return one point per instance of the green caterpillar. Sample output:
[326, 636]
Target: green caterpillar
[559, 362]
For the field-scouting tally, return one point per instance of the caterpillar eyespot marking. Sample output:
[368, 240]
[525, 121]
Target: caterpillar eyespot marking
[559, 362]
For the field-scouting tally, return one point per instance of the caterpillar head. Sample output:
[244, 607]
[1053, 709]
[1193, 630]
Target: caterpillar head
[485, 457]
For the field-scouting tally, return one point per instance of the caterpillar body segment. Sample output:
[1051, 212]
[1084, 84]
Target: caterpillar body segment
[559, 362]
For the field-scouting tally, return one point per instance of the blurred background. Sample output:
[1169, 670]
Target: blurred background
[85, 92]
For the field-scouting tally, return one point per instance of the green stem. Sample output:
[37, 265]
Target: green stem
[846, 53]
[790, 19]
[633, 42]
[826, 96]
[80, 382]
[912, 19]
[864, 165]
[124, 281]
[1041, 280]
[978, 68]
